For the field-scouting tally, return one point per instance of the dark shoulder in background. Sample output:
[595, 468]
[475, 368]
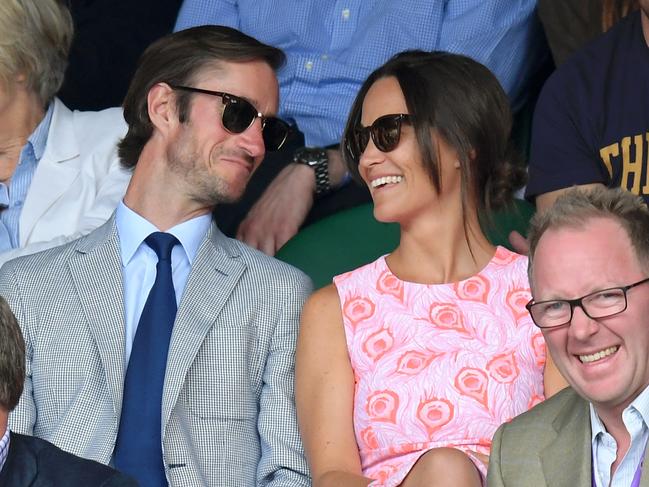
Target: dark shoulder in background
[109, 37]
[570, 24]
[35, 462]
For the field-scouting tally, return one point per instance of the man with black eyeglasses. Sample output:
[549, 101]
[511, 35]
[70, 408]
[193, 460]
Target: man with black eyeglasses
[589, 262]
[156, 343]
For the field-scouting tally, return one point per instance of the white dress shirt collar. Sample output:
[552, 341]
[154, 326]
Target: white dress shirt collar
[636, 418]
[133, 229]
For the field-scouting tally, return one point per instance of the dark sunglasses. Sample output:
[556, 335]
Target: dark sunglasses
[239, 114]
[385, 133]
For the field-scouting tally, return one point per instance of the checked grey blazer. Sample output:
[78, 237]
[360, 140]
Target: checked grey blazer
[228, 415]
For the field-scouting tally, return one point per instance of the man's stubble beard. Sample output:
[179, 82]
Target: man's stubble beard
[202, 186]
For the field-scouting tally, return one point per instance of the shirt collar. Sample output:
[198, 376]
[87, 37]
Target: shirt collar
[4, 195]
[4, 448]
[37, 141]
[639, 404]
[133, 229]
[596, 425]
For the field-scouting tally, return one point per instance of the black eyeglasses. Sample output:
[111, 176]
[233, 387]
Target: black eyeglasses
[239, 114]
[599, 304]
[385, 133]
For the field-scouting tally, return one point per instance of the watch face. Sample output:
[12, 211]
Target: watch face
[310, 156]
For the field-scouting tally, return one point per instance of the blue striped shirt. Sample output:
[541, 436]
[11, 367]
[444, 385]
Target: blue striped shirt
[332, 46]
[13, 195]
[4, 448]
[636, 418]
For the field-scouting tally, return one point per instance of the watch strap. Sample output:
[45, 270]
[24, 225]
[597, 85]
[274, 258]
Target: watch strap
[317, 159]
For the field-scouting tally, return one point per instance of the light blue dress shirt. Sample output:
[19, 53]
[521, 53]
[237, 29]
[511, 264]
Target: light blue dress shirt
[139, 261]
[4, 448]
[635, 417]
[12, 196]
[332, 46]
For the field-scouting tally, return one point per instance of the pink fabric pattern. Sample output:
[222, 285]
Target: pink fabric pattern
[438, 365]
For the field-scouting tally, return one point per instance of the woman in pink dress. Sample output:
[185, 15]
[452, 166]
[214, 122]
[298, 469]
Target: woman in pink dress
[406, 366]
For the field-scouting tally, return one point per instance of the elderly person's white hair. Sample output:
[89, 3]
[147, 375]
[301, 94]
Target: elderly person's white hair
[35, 38]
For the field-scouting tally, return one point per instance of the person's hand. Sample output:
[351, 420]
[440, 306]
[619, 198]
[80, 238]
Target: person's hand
[280, 211]
[519, 243]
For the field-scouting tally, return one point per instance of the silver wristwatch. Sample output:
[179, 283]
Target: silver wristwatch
[317, 159]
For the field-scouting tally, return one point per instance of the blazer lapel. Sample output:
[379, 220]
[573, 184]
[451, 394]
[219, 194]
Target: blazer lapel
[644, 479]
[573, 440]
[56, 171]
[97, 275]
[214, 275]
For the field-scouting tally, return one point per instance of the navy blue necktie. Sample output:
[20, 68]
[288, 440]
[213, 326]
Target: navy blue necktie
[138, 450]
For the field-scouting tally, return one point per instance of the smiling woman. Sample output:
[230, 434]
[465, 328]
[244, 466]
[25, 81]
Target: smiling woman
[406, 366]
[456, 114]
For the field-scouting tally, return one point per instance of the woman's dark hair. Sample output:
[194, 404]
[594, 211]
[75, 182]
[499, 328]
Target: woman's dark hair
[614, 10]
[461, 101]
[178, 59]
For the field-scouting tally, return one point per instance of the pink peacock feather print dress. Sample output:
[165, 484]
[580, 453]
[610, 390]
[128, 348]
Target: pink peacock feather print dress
[438, 365]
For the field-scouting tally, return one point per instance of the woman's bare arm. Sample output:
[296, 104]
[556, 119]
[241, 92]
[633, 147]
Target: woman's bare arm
[324, 391]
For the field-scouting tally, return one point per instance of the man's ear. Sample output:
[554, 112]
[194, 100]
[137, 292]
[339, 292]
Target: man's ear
[161, 105]
[16, 82]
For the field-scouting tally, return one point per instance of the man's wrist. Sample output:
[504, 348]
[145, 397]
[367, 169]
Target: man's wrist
[339, 176]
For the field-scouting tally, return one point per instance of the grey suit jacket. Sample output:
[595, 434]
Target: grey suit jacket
[228, 415]
[550, 445]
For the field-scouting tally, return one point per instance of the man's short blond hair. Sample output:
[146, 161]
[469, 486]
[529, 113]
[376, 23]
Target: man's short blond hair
[35, 38]
[576, 207]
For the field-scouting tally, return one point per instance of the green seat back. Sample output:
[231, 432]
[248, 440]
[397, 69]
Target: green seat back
[352, 238]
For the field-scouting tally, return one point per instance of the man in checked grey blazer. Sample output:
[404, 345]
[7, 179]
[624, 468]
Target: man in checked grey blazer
[200, 115]
[589, 262]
